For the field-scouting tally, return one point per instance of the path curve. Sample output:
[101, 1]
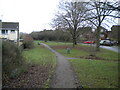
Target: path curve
[64, 76]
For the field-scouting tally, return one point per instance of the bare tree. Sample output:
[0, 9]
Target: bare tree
[97, 13]
[70, 17]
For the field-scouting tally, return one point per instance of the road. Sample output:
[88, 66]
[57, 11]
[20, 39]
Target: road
[112, 48]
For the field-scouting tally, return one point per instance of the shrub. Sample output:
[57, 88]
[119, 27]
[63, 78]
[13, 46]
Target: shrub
[12, 59]
[28, 42]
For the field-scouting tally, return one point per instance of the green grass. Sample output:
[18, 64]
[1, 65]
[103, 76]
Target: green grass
[53, 43]
[104, 54]
[76, 53]
[96, 73]
[40, 55]
[107, 54]
[57, 43]
[73, 53]
[92, 73]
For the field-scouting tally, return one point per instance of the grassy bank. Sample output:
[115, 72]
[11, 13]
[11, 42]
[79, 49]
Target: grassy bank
[43, 57]
[96, 74]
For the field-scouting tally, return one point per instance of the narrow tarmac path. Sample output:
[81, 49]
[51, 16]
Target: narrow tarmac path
[64, 76]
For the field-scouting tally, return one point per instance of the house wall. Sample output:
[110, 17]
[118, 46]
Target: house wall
[10, 35]
[0, 25]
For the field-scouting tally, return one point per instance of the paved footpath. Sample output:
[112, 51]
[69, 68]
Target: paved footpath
[64, 76]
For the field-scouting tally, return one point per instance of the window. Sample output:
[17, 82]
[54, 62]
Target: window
[12, 31]
[4, 32]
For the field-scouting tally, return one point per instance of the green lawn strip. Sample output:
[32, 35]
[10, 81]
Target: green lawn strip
[96, 73]
[107, 54]
[104, 54]
[57, 43]
[40, 55]
[53, 43]
[73, 53]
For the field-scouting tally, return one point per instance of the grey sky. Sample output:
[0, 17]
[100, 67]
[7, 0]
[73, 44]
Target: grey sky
[33, 15]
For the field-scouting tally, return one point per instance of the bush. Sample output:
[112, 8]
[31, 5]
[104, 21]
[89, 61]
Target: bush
[28, 42]
[12, 59]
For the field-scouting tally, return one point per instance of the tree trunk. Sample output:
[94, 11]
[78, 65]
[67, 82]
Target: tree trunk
[75, 41]
[98, 39]
[73, 44]
[74, 37]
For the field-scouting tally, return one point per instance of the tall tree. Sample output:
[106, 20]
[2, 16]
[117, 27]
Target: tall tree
[70, 17]
[97, 13]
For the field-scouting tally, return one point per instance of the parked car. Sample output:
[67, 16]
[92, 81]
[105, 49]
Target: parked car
[108, 42]
[89, 42]
[114, 42]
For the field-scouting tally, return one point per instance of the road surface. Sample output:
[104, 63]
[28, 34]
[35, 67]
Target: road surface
[112, 48]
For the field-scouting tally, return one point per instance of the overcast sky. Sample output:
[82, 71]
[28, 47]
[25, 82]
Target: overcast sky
[32, 15]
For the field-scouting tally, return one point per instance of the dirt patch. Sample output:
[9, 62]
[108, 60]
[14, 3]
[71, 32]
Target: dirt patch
[67, 46]
[92, 57]
[34, 78]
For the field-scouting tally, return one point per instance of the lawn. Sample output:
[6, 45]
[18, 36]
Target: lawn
[40, 55]
[53, 43]
[102, 55]
[101, 72]
[109, 55]
[96, 73]
[83, 51]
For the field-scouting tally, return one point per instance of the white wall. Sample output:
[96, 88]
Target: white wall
[10, 35]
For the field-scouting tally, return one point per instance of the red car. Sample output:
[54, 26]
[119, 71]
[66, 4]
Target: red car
[89, 42]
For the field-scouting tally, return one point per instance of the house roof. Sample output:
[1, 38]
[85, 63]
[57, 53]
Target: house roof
[10, 25]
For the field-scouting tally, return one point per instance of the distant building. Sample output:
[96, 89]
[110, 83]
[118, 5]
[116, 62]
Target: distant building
[115, 29]
[104, 33]
[85, 33]
[9, 30]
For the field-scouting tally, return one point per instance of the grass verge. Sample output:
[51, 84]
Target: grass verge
[83, 50]
[96, 74]
[43, 57]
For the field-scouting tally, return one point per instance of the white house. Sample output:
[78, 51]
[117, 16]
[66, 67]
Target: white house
[9, 30]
